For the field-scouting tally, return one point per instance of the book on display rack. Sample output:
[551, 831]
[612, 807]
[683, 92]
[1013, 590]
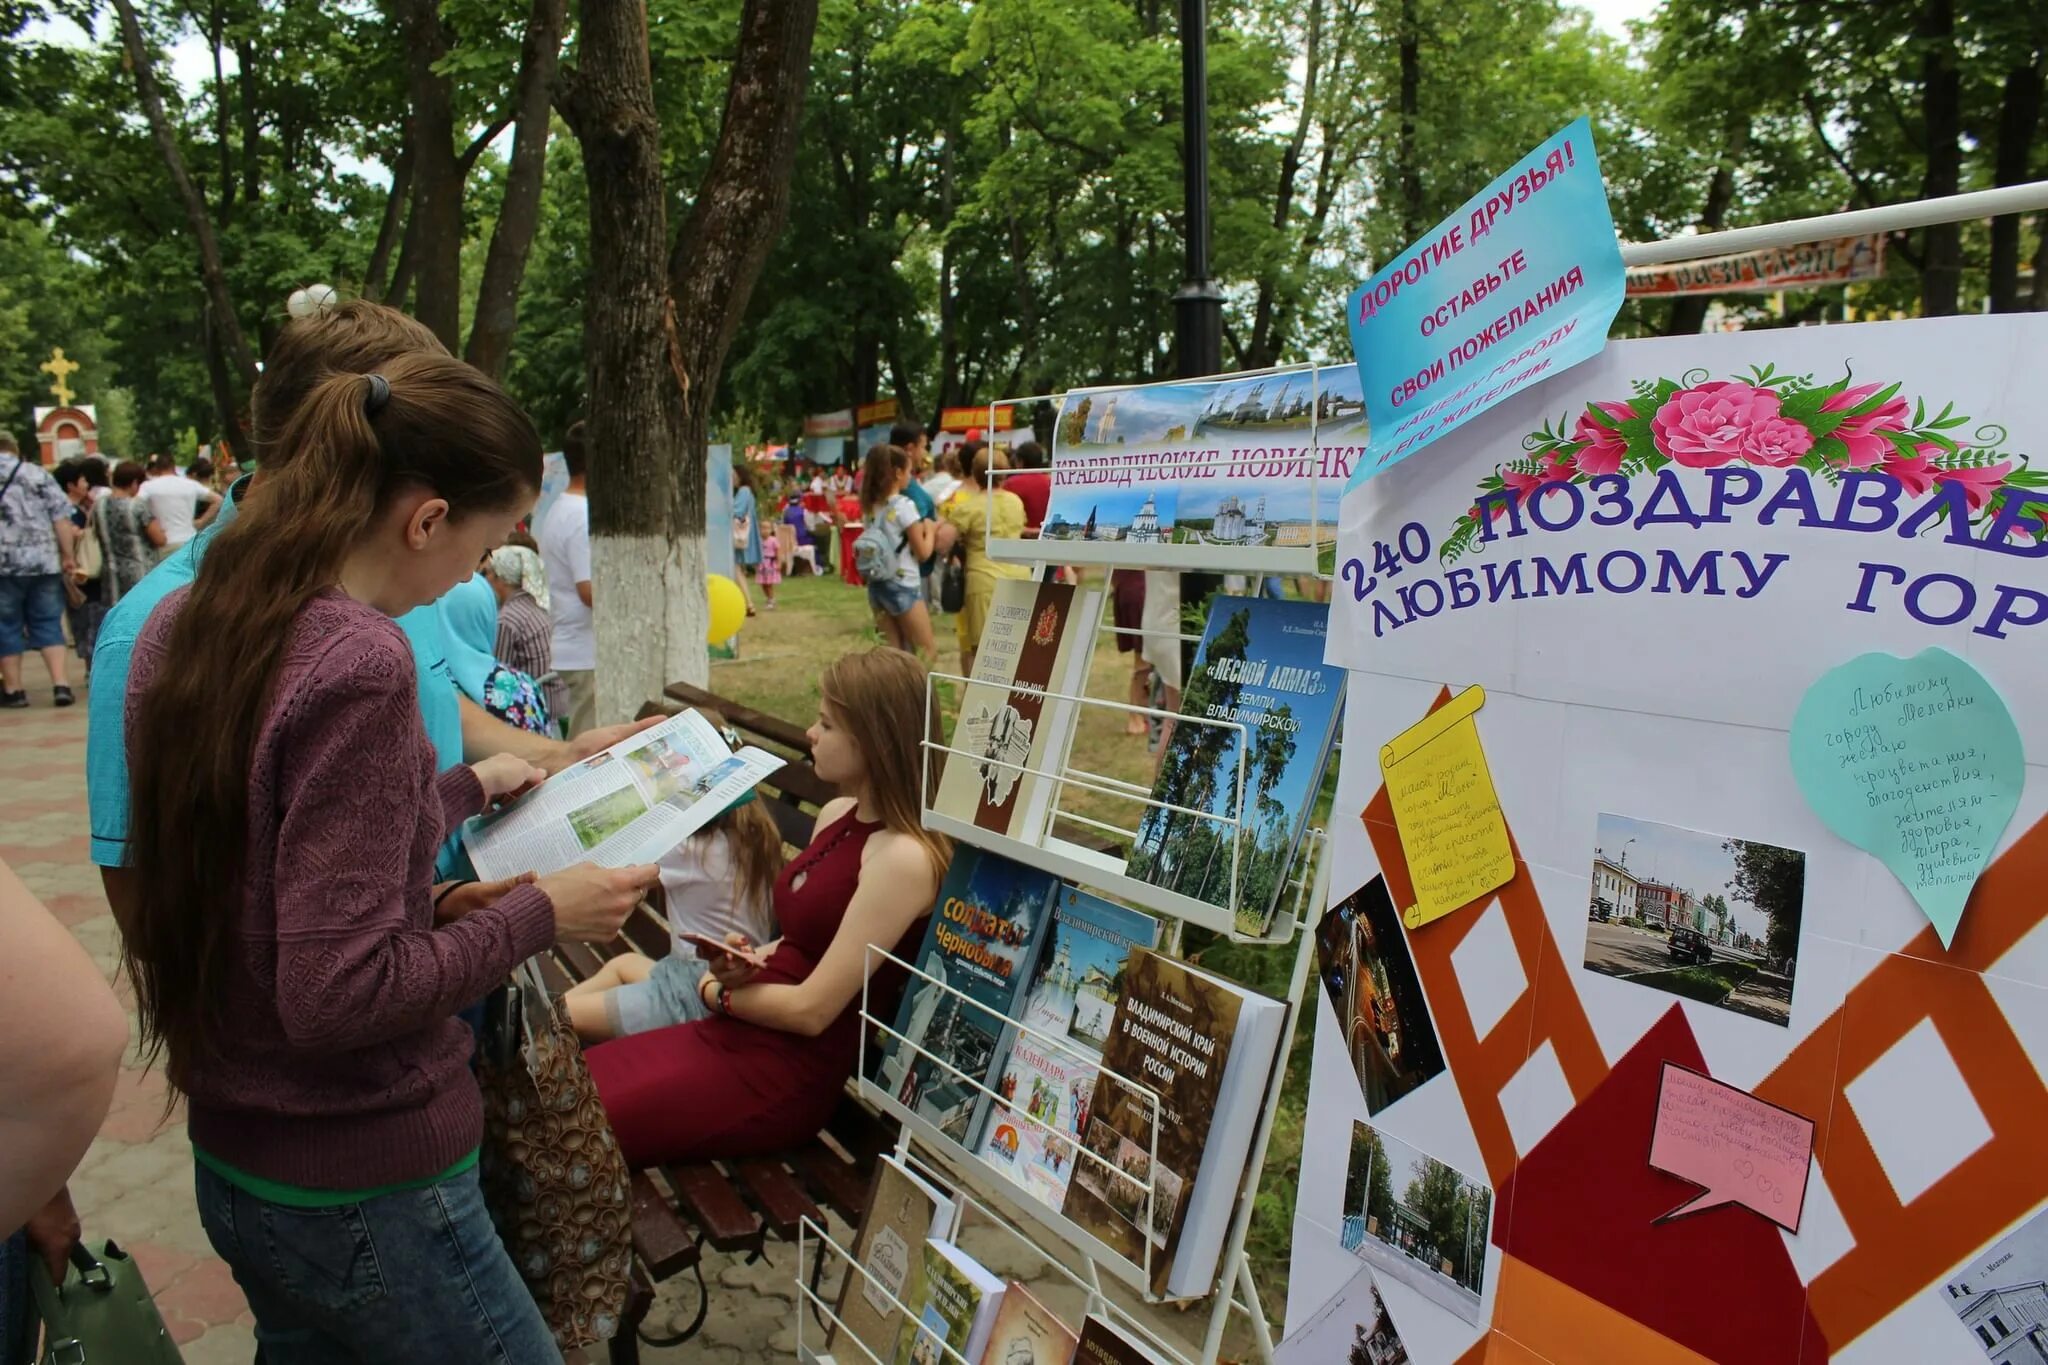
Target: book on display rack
[1260, 664]
[1027, 1333]
[984, 935]
[1102, 1343]
[904, 1211]
[1039, 638]
[957, 1304]
[1205, 1046]
[1072, 996]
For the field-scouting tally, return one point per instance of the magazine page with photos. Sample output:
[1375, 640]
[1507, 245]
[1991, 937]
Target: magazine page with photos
[627, 805]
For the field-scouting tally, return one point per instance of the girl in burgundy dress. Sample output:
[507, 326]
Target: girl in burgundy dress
[764, 1072]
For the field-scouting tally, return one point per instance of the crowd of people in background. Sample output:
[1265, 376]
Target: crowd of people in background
[918, 519]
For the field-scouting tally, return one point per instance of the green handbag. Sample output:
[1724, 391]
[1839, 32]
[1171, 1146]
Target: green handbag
[102, 1314]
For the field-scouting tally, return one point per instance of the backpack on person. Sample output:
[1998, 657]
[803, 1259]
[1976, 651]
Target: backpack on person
[873, 556]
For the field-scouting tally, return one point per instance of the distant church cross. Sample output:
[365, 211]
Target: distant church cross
[59, 369]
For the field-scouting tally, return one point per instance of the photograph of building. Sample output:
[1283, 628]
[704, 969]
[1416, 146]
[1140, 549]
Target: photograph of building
[1704, 916]
[2002, 1297]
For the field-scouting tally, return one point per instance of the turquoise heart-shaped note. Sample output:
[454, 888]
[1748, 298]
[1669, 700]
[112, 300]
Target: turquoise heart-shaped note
[1916, 761]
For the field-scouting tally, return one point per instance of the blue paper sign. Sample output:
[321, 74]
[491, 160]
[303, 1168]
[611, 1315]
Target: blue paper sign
[1916, 761]
[1519, 284]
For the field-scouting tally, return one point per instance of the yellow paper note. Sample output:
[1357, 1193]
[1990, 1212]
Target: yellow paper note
[1446, 810]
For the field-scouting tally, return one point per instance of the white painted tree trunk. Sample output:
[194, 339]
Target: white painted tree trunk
[652, 617]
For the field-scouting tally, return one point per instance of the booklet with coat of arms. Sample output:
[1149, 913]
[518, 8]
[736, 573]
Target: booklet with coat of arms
[1040, 638]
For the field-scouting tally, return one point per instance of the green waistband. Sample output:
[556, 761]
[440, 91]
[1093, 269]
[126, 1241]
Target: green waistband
[299, 1197]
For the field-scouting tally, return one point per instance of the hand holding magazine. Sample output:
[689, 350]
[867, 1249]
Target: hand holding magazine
[625, 806]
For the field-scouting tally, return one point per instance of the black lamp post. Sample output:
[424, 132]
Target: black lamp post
[1198, 305]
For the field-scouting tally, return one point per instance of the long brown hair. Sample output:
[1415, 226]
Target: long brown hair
[351, 338]
[443, 428]
[754, 844]
[877, 473]
[752, 840]
[878, 696]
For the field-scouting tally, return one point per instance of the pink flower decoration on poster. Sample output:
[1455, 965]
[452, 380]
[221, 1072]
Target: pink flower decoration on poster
[1978, 484]
[1605, 446]
[1768, 420]
[1863, 433]
[1711, 425]
[1915, 475]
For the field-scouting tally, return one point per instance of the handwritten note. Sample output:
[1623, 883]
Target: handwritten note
[1737, 1148]
[1446, 810]
[1916, 761]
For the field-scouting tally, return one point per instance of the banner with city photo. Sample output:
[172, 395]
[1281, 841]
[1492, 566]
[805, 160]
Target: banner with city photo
[1651, 564]
[1236, 472]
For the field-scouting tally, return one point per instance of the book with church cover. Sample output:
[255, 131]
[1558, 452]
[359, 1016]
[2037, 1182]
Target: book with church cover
[1260, 664]
[1040, 638]
[1027, 1333]
[1072, 996]
[982, 940]
[1104, 1344]
[904, 1211]
[1205, 1045]
[957, 1304]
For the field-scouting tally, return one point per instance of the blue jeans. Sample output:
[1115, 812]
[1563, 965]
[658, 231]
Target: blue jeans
[31, 607]
[417, 1275]
[892, 598]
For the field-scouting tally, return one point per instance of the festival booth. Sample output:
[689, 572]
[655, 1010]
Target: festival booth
[1682, 984]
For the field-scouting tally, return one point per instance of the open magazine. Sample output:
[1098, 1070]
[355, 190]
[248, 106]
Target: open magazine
[625, 806]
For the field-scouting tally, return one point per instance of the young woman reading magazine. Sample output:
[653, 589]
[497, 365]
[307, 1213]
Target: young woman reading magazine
[302, 977]
[764, 1072]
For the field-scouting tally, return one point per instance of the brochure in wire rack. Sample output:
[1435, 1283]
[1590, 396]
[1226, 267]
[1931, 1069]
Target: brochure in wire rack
[627, 805]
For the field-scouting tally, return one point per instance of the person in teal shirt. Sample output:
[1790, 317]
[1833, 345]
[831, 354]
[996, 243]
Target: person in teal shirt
[106, 750]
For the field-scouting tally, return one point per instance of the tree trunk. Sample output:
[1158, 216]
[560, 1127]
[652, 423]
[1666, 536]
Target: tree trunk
[657, 332]
[252, 124]
[1941, 102]
[214, 25]
[497, 298]
[435, 230]
[1410, 169]
[393, 225]
[1689, 314]
[2019, 115]
[234, 345]
[408, 258]
[2039, 301]
[226, 410]
[1266, 339]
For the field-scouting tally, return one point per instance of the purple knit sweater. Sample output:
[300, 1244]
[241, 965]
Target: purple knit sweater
[340, 1064]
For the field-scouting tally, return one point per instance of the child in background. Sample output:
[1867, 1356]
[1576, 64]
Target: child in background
[719, 881]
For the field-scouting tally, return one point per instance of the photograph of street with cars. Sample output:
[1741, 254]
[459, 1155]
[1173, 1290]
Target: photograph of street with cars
[1708, 917]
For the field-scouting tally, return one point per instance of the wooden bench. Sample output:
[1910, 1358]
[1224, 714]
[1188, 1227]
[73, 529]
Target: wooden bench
[733, 1206]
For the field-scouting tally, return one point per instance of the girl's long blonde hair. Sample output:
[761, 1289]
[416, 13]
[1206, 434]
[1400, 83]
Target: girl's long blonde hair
[878, 695]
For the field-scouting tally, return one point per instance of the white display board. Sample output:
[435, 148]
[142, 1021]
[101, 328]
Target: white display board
[1644, 635]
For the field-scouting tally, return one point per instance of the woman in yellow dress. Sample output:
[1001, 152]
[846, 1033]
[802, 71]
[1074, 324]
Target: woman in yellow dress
[967, 524]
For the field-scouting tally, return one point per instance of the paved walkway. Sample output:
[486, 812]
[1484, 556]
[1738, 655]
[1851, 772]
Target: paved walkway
[135, 1184]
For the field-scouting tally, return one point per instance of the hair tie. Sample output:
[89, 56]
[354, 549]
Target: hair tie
[378, 396]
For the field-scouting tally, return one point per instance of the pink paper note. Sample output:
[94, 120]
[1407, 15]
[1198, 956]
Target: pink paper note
[1737, 1148]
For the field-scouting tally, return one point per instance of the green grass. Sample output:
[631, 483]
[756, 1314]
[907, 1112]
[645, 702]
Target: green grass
[781, 654]
[1708, 982]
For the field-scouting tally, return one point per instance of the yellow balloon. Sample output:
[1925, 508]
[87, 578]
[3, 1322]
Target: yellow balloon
[728, 609]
